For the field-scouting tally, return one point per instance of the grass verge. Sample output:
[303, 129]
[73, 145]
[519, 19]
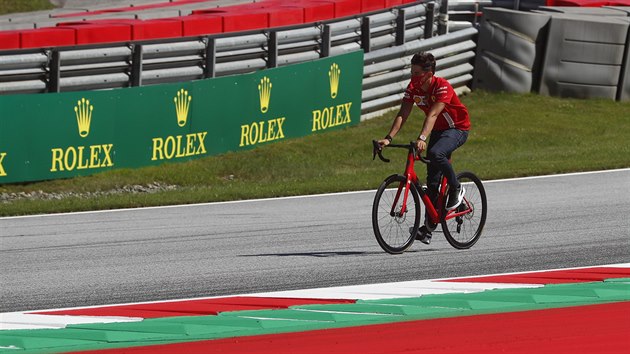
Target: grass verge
[513, 135]
[13, 6]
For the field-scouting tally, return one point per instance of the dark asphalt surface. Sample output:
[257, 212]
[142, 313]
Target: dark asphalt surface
[97, 258]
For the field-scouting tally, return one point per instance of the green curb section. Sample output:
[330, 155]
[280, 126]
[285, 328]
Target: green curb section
[309, 317]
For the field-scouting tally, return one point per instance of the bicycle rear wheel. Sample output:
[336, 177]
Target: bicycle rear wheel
[391, 227]
[463, 231]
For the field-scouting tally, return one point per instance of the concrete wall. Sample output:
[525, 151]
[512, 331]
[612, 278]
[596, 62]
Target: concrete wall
[584, 56]
[556, 51]
[510, 49]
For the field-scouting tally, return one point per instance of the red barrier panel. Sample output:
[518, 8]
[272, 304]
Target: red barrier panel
[159, 28]
[241, 20]
[130, 8]
[47, 37]
[314, 11]
[194, 25]
[284, 16]
[146, 29]
[91, 32]
[372, 5]
[243, 8]
[234, 22]
[344, 8]
[10, 40]
[260, 15]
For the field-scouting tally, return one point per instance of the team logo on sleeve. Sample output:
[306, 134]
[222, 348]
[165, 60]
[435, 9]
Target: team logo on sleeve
[420, 100]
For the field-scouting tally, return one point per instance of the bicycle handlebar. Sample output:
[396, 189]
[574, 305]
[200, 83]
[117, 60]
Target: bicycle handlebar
[378, 150]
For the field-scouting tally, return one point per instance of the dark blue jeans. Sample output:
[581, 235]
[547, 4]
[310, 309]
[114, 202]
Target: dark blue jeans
[442, 143]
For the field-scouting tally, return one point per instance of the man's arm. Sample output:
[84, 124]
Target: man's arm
[427, 127]
[399, 121]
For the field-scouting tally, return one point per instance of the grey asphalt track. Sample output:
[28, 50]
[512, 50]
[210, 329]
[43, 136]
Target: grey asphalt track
[81, 259]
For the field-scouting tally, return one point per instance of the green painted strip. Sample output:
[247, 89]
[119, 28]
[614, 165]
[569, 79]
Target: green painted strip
[102, 335]
[324, 313]
[35, 344]
[618, 280]
[311, 317]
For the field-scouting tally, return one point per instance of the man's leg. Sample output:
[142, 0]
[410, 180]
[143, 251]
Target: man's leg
[439, 154]
[434, 175]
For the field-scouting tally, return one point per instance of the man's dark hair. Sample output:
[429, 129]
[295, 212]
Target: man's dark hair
[425, 60]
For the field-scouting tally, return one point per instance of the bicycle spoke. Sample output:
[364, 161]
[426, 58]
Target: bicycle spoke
[392, 231]
[467, 232]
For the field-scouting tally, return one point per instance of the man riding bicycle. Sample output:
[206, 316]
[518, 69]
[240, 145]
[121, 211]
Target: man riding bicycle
[446, 121]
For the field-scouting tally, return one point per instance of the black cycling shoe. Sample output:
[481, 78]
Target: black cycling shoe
[455, 198]
[430, 226]
[424, 235]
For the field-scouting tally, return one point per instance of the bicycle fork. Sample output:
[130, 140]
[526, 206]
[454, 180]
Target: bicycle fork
[403, 208]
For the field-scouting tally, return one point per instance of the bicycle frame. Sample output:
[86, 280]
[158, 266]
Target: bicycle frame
[392, 216]
[434, 212]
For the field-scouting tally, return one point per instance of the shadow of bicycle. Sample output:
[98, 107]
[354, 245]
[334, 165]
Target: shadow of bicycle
[329, 254]
[312, 254]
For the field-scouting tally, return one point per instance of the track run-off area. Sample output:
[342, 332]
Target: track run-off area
[310, 274]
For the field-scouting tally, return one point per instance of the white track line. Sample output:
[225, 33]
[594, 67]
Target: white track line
[296, 197]
[21, 320]
[415, 288]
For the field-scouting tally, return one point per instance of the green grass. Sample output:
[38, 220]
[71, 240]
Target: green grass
[12, 6]
[512, 135]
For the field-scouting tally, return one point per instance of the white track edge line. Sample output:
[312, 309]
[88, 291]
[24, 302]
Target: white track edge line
[620, 265]
[294, 197]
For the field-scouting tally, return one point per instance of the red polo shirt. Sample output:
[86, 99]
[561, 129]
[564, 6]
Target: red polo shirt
[454, 114]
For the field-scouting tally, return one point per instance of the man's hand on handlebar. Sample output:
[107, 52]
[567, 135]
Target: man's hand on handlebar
[420, 146]
[383, 142]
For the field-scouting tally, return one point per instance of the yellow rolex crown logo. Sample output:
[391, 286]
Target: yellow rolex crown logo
[182, 105]
[83, 111]
[264, 91]
[333, 77]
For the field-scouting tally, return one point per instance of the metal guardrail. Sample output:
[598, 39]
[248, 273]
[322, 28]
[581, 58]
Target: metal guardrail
[388, 38]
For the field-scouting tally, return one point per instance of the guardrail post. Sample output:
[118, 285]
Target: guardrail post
[624, 73]
[272, 48]
[443, 18]
[474, 21]
[136, 65]
[54, 75]
[365, 34]
[325, 45]
[428, 21]
[400, 27]
[209, 69]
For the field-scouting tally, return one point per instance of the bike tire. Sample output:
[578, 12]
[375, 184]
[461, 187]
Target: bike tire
[392, 231]
[464, 231]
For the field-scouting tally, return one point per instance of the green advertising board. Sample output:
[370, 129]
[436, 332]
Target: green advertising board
[60, 135]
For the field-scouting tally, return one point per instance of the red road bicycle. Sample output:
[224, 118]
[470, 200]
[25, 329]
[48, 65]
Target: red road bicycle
[396, 212]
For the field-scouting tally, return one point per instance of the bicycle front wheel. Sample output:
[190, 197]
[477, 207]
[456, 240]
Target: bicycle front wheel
[462, 227]
[391, 222]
